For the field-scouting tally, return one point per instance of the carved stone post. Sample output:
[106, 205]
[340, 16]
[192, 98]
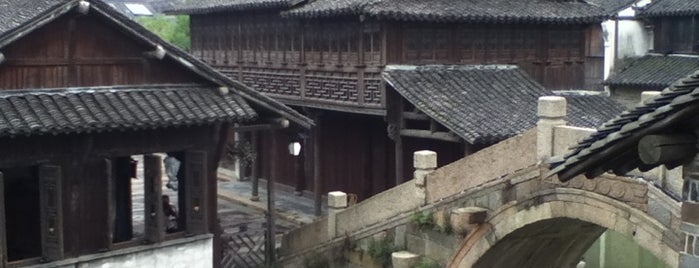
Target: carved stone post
[424, 163]
[689, 255]
[337, 201]
[552, 113]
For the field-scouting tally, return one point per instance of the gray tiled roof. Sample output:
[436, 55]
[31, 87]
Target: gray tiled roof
[484, 104]
[56, 111]
[29, 19]
[653, 71]
[541, 11]
[659, 8]
[613, 146]
[210, 6]
[15, 13]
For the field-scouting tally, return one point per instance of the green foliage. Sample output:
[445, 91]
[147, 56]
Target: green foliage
[316, 261]
[243, 150]
[426, 263]
[174, 29]
[423, 219]
[381, 251]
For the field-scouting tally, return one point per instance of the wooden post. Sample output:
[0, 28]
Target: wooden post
[50, 197]
[254, 168]
[317, 182]
[196, 221]
[3, 239]
[398, 148]
[300, 168]
[270, 248]
[111, 200]
[152, 196]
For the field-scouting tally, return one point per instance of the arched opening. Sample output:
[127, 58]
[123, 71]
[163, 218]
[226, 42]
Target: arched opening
[558, 242]
[555, 228]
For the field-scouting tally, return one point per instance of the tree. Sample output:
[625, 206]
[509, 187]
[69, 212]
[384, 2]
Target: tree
[174, 29]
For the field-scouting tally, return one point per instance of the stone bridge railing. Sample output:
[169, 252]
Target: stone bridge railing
[491, 178]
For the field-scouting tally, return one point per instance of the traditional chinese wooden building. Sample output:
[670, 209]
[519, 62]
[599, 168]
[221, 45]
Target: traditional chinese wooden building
[673, 53]
[82, 90]
[326, 58]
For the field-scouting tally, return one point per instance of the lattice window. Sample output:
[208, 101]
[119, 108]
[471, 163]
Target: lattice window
[372, 43]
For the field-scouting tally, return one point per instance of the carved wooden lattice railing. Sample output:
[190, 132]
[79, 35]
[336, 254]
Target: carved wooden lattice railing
[245, 249]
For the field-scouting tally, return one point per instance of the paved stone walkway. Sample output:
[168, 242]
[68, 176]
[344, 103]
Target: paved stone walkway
[291, 207]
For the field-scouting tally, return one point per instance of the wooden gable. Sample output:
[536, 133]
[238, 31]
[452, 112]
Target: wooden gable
[85, 50]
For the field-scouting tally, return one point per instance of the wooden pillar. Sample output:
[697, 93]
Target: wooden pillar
[270, 247]
[300, 167]
[394, 118]
[317, 182]
[398, 148]
[50, 197]
[108, 176]
[254, 167]
[152, 196]
[196, 221]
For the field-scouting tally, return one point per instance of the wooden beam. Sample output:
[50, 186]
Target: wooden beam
[426, 134]
[666, 149]
[277, 123]
[415, 116]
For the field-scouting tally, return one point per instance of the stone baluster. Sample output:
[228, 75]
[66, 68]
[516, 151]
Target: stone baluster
[337, 201]
[552, 112]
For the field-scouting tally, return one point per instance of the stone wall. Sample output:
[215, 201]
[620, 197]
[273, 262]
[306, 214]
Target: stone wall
[392, 202]
[180, 253]
[488, 164]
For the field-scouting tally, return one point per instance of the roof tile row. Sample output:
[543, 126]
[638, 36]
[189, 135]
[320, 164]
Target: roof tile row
[75, 110]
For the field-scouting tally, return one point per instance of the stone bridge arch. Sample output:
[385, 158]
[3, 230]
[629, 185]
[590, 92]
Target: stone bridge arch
[554, 227]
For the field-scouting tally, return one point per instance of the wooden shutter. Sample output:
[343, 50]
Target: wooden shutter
[153, 208]
[51, 214]
[3, 239]
[195, 192]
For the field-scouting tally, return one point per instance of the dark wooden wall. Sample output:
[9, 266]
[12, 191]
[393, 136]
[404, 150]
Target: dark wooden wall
[356, 156]
[554, 55]
[676, 34]
[333, 62]
[84, 51]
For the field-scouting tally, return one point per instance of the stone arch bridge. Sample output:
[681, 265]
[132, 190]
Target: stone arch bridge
[502, 209]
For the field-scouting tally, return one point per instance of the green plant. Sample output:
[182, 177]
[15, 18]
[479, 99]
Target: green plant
[426, 263]
[381, 250]
[423, 219]
[243, 150]
[174, 29]
[316, 261]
